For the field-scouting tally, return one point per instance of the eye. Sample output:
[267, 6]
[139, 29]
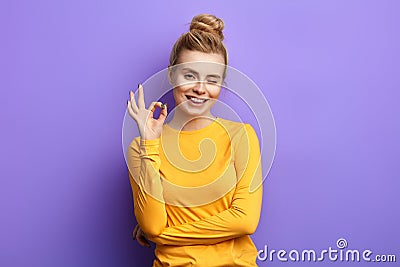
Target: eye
[212, 81]
[189, 76]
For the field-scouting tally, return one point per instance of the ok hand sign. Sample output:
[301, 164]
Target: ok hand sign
[149, 128]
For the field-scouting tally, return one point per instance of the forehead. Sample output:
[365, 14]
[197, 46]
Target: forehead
[200, 62]
[190, 56]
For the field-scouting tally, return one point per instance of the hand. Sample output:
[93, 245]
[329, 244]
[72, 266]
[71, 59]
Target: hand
[149, 128]
[140, 236]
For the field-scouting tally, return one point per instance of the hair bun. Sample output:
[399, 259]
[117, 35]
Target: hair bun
[208, 23]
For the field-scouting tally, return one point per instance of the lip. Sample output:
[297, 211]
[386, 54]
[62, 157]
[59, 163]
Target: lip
[195, 103]
[191, 96]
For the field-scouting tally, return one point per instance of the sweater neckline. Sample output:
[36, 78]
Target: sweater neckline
[213, 124]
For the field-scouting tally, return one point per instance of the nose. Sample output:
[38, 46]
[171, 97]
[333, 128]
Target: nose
[200, 88]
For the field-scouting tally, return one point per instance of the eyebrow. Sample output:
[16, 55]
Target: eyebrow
[192, 70]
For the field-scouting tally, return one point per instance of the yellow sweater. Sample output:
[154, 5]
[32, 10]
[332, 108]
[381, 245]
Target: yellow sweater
[198, 194]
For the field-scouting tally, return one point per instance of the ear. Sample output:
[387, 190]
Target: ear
[170, 75]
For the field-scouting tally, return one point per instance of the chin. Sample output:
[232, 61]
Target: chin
[187, 109]
[193, 113]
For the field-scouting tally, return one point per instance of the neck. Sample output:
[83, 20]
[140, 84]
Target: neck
[186, 122]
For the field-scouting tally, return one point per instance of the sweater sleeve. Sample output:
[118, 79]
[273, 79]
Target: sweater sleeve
[143, 166]
[243, 215]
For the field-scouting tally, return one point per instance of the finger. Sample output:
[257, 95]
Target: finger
[131, 112]
[133, 101]
[135, 231]
[140, 103]
[142, 241]
[153, 106]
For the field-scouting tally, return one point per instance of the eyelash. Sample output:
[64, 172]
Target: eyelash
[191, 76]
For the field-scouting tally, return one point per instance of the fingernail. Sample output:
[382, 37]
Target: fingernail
[138, 85]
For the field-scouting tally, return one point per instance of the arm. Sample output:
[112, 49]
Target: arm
[143, 164]
[243, 215]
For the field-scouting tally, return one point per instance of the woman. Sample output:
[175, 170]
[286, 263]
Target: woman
[192, 177]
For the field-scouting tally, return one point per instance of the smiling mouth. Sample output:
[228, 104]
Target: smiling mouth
[196, 100]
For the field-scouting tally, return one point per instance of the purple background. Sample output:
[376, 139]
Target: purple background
[329, 69]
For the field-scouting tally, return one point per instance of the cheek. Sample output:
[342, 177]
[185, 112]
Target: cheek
[176, 93]
[179, 93]
[180, 81]
[182, 89]
[215, 92]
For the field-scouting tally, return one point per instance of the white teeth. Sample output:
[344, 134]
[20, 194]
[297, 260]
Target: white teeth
[197, 100]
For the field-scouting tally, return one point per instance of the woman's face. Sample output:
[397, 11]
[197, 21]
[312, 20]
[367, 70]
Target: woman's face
[197, 79]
